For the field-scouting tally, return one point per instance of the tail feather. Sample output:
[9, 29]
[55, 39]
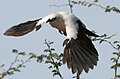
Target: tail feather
[22, 28]
[65, 56]
[73, 64]
[80, 54]
[92, 58]
[86, 58]
[68, 60]
[82, 58]
[87, 43]
[81, 61]
[91, 55]
[75, 59]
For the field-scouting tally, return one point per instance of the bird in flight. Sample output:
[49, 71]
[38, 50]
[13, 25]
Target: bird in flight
[79, 52]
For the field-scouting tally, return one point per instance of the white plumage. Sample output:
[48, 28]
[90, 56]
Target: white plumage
[63, 21]
[79, 52]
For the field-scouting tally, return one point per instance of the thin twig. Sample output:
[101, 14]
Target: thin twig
[62, 5]
[116, 69]
[87, 3]
[116, 66]
[70, 5]
[56, 66]
[3, 74]
[118, 56]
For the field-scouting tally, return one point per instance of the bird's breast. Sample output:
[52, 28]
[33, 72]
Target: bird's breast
[59, 24]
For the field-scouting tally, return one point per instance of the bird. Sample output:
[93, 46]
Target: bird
[79, 52]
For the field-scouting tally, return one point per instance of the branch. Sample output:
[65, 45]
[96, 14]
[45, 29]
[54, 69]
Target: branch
[12, 69]
[115, 45]
[70, 5]
[107, 8]
[51, 59]
[89, 4]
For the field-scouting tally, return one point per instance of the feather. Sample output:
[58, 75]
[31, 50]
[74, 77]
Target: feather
[80, 55]
[82, 28]
[78, 63]
[22, 28]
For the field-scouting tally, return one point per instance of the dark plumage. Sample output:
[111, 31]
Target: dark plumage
[80, 54]
[21, 29]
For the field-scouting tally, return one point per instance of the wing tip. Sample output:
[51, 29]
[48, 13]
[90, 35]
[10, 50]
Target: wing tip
[22, 28]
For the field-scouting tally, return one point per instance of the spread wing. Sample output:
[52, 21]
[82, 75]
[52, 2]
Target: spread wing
[80, 53]
[26, 27]
[22, 28]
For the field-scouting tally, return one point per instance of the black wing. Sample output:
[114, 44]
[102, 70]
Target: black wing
[80, 54]
[83, 29]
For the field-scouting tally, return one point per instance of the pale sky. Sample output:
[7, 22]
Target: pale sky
[13, 12]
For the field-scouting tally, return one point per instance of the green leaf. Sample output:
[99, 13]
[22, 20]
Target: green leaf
[54, 70]
[116, 42]
[32, 56]
[104, 35]
[74, 2]
[51, 42]
[118, 46]
[46, 50]
[61, 55]
[10, 73]
[95, 0]
[52, 49]
[19, 66]
[108, 9]
[118, 64]
[49, 57]
[55, 55]
[40, 57]
[48, 61]
[16, 69]
[56, 73]
[116, 53]
[101, 41]
[114, 59]
[50, 67]
[22, 53]
[113, 67]
[15, 51]
[89, 5]
[59, 63]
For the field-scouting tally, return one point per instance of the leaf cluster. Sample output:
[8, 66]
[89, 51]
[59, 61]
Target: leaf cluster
[108, 8]
[15, 66]
[115, 45]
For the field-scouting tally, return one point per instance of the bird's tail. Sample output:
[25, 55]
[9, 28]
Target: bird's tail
[80, 54]
[22, 28]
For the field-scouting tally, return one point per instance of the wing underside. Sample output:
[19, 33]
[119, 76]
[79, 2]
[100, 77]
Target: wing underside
[22, 28]
[80, 54]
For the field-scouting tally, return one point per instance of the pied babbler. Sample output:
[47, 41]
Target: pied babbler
[79, 52]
